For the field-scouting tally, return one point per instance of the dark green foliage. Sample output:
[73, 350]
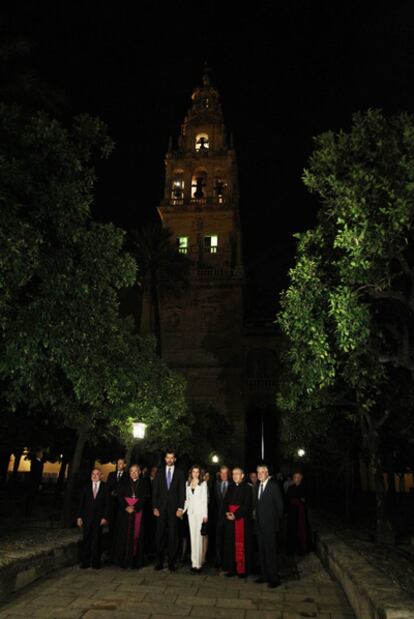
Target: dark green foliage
[348, 311]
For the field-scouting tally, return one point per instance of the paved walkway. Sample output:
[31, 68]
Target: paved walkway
[112, 593]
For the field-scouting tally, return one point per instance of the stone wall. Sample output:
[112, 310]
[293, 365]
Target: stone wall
[23, 566]
[371, 594]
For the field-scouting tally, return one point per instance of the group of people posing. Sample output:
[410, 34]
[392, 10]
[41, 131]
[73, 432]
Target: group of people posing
[243, 518]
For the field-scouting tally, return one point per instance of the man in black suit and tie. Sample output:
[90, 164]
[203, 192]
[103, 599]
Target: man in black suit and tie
[115, 478]
[168, 496]
[221, 488]
[269, 512]
[92, 516]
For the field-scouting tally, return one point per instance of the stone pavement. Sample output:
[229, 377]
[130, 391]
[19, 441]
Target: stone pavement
[112, 593]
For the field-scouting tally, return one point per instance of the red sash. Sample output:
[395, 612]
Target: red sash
[301, 522]
[239, 553]
[137, 522]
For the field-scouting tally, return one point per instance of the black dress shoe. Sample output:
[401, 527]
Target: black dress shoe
[158, 567]
[259, 580]
[242, 575]
[274, 584]
[230, 574]
[172, 568]
[84, 566]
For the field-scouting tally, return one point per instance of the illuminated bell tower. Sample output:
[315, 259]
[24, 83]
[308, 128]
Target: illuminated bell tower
[202, 330]
[201, 190]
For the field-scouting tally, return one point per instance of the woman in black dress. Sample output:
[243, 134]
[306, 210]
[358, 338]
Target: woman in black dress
[128, 545]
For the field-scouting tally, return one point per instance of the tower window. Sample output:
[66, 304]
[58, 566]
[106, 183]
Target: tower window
[219, 189]
[177, 190]
[211, 244]
[198, 185]
[202, 142]
[182, 244]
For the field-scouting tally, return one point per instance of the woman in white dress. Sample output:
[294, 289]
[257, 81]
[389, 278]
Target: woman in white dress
[196, 508]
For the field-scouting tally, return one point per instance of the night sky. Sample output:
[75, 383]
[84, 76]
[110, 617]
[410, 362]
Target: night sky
[286, 71]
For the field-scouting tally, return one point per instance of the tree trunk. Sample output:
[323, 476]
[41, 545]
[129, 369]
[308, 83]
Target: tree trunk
[391, 486]
[4, 464]
[383, 531]
[67, 520]
[17, 457]
[348, 477]
[155, 299]
[61, 478]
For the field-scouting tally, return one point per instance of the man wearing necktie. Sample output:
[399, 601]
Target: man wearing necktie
[115, 478]
[220, 493]
[269, 512]
[92, 516]
[168, 496]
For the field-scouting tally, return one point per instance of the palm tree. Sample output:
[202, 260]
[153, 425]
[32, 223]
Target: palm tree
[162, 270]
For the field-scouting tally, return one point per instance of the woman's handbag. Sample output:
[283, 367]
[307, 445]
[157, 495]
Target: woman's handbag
[203, 530]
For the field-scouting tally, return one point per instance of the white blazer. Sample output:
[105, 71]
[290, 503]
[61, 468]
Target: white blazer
[196, 503]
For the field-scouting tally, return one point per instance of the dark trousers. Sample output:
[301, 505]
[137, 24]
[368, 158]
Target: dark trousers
[91, 549]
[166, 535]
[268, 557]
[113, 513]
[219, 541]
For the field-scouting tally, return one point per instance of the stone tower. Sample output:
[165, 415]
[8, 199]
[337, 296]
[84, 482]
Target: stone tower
[202, 330]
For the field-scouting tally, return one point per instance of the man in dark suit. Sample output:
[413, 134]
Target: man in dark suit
[92, 516]
[168, 496]
[269, 512]
[221, 488]
[115, 478]
[35, 481]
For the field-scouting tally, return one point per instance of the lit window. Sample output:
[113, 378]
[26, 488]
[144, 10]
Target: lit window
[182, 244]
[202, 142]
[198, 185]
[210, 244]
[177, 190]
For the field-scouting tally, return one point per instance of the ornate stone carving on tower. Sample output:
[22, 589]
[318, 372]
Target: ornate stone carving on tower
[202, 330]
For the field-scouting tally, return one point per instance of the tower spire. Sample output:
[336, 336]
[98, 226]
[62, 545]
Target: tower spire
[206, 79]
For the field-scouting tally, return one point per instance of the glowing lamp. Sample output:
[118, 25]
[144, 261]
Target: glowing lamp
[138, 429]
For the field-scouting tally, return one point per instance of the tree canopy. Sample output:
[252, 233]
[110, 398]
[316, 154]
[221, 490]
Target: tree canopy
[64, 344]
[348, 311]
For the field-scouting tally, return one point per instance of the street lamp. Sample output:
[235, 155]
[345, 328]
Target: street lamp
[301, 452]
[138, 429]
[215, 459]
[138, 432]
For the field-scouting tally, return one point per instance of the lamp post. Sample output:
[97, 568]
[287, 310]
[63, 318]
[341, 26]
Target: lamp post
[138, 432]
